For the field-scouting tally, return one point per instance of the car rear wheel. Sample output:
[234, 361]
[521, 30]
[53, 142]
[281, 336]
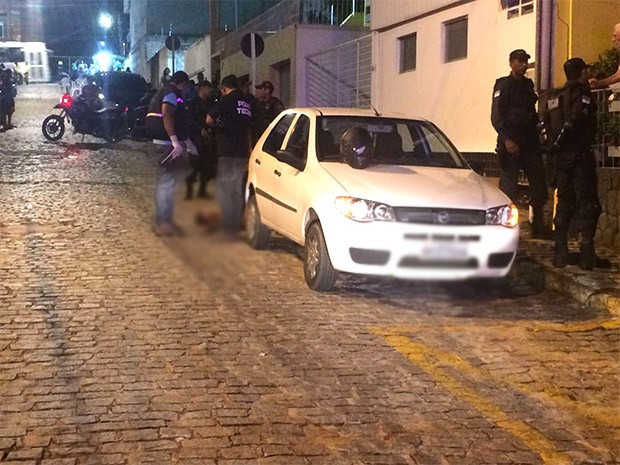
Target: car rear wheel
[258, 233]
[318, 270]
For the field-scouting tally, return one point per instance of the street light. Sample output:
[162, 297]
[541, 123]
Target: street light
[105, 20]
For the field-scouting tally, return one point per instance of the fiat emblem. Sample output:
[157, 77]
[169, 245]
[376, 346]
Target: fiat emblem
[443, 217]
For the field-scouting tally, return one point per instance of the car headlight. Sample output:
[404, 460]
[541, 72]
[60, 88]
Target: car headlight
[506, 215]
[364, 210]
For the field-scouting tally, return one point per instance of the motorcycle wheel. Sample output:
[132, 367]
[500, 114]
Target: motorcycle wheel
[53, 127]
[117, 132]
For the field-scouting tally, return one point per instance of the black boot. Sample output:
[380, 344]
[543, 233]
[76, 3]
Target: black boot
[540, 230]
[587, 255]
[560, 256]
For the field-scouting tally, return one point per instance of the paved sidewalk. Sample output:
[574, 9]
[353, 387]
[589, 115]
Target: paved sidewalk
[598, 289]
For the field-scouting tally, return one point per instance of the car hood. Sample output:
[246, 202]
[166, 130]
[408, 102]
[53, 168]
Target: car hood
[417, 186]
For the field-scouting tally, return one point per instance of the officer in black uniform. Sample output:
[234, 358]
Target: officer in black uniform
[576, 166]
[513, 115]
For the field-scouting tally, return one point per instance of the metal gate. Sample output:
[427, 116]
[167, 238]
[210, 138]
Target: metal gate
[340, 76]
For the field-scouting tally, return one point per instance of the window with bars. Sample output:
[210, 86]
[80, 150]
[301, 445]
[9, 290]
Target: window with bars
[455, 39]
[408, 52]
[516, 8]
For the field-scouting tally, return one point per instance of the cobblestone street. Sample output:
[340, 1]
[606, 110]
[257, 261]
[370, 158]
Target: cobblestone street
[119, 347]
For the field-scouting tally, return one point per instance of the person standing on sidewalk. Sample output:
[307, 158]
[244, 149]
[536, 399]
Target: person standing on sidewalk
[513, 115]
[7, 99]
[575, 163]
[166, 124]
[231, 117]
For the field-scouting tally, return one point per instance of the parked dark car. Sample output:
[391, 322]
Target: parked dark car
[125, 89]
[128, 90]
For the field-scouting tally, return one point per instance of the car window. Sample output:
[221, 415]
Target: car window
[275, 139]
[298, 142]
[395, 141]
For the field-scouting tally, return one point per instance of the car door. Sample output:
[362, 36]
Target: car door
[289, 178]
[263, 163]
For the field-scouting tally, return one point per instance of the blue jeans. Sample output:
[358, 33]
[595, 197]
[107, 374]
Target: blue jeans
[168, 177]
[230, 186]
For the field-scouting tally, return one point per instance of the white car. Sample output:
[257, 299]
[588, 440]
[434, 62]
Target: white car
[376, 195]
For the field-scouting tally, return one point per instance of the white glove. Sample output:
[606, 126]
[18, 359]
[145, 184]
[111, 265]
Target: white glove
[190, 147]
[177, 147]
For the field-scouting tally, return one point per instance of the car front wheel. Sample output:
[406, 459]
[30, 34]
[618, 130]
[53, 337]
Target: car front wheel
[258, 233]
[318, 270]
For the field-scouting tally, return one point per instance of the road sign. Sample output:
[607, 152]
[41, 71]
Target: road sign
[251, 42]
[172, 43]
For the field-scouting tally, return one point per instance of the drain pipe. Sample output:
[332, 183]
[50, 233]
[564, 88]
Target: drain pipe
[546, 13]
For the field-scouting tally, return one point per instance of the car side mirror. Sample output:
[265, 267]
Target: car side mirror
[478, 166]
[290, 158]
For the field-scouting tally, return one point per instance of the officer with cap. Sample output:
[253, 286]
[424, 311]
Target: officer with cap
[513, 115]
[265, 107]
[576, 166]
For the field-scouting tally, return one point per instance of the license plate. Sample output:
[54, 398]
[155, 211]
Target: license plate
[444, 252]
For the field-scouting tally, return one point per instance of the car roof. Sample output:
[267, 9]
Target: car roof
[344, 111]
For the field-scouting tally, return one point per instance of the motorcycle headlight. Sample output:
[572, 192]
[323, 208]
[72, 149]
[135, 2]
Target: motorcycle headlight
[506, 215]
[364, 210]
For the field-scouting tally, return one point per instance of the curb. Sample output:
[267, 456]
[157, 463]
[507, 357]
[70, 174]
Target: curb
[591, 291]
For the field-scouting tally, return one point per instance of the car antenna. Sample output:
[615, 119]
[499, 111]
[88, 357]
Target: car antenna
[375, 110]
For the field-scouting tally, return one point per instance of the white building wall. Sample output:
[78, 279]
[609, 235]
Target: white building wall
[137, 59]
[388, 12]
[198, 57]
[312, 39]
[457, 95]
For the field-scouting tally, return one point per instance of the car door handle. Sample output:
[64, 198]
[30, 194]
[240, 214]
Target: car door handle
[257, 161]
[277, 173]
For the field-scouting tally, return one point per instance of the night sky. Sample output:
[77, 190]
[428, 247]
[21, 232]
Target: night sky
[72, 28]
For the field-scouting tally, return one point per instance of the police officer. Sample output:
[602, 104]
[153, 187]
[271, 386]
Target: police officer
[576, 166]
[513, 115]
[167, 125]
[231, 118]
[265, 107]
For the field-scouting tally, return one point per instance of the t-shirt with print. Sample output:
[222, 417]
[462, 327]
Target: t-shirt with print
[233, 119]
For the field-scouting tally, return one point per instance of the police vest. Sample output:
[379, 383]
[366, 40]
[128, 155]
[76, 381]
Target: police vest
[154, 121]
[551, 115]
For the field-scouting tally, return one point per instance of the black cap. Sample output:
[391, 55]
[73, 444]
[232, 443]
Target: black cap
[265, 85]
[179, 77]
[519, 54]
[576, 64]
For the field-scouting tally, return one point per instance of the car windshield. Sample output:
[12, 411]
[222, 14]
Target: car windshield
[395, 141]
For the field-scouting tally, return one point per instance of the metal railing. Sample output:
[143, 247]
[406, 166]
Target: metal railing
[340, 76]
[607, 144]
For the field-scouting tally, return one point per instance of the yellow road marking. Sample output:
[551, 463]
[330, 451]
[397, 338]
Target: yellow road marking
[534, 326]
[576, 327]
[427, 360]
[601, 415]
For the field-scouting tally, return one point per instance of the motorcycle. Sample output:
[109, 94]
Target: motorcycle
[89, 116]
